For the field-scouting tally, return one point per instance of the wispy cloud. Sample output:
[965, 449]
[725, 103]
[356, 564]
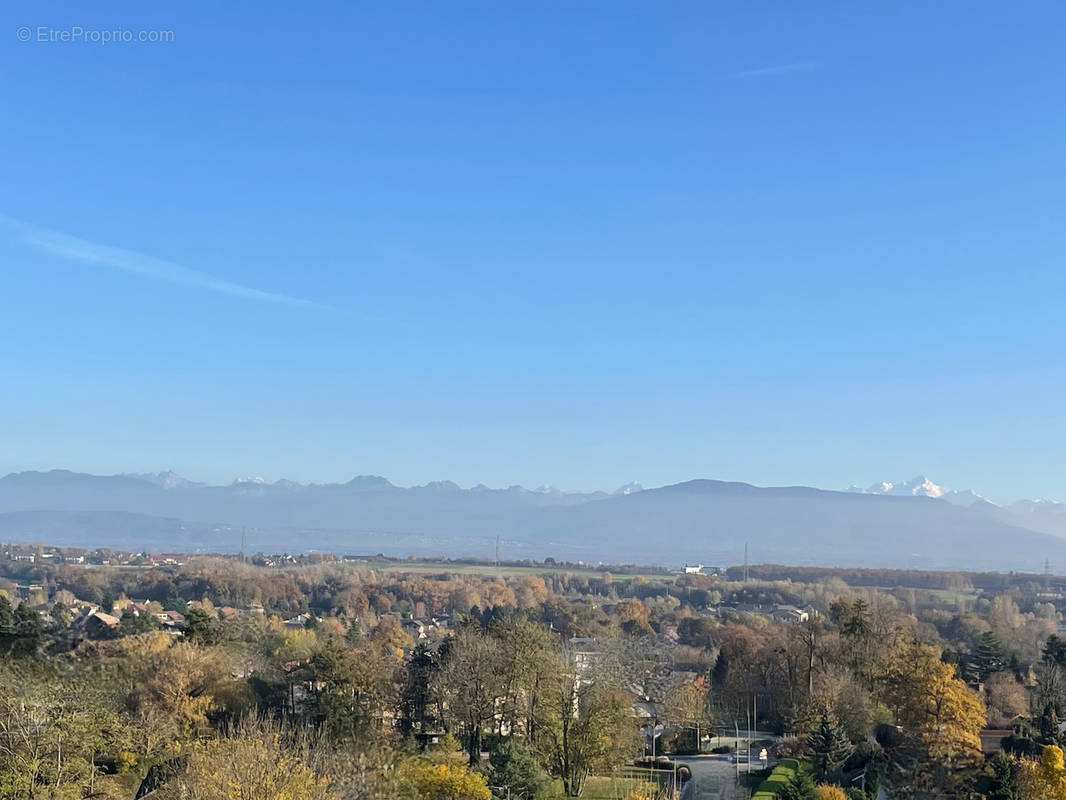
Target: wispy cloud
[776, 69]
[145, 266]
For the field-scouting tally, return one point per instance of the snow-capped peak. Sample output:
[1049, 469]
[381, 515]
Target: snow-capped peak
[629, 488]
[921, 486]
[166, 480]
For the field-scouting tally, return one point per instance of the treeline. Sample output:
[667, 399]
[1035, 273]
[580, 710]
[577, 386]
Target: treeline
[892, 578]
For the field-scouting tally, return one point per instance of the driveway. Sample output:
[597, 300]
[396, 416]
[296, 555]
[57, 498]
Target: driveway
[713, 778]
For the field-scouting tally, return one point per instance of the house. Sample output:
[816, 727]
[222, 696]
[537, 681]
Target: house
[992, 741]
[415, 628]
[124, 606]
[99, 624]
[228, 614]
[789, 614]
[299, 621]
[692, 569]
[584, 652]
[171, 619]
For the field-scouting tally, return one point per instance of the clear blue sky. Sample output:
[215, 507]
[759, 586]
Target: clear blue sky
[578, 243]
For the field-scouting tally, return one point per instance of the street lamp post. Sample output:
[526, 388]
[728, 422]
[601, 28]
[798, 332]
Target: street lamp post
[736, 756]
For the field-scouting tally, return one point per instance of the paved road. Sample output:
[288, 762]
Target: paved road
[713, 778]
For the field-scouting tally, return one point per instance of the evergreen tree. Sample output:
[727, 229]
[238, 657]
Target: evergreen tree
[61, 614]
[829, 746]
[354, 634]
[1049, 726]
[800, 787]
[201, 627]
[27, 622]
[1055, 650]
[27, 629]
[417, 695]
[516, 773]
[990, 656]
[855, 622]
[1003, 782]
[7, 616]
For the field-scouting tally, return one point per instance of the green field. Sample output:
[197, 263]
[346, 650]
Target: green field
[489, 570]
[597, 788]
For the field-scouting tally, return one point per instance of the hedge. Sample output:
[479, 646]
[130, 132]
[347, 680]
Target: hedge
[775, 782]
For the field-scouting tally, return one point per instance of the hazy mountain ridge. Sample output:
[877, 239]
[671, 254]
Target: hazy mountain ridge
[703, 520]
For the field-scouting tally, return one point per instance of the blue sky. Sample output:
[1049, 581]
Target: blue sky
[571, 243]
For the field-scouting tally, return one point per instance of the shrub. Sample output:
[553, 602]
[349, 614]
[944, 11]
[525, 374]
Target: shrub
[515, 769]
[422, 779]
[792, 747]
[827, 791]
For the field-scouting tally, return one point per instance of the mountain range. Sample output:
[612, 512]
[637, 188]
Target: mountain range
[910, 524]
[922, 487]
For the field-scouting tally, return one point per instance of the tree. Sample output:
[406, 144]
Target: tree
[939, 717]
[516, 772]
[53, 735]
[418, 697]
[829, 747]
[1003, 783]
[634, 617]
[989, 656]
[175, 689]
[827, 791]
[1044, 779]
[799, 787]
[352, 688]
[686, 704]
[855, 623]
[201, 627]
[26, 626]
[61, 616]
[583, 725]
[525, 648]
[7, 616]
[1005, 698]
[1049, 725]
[472, 682]
[27, 622]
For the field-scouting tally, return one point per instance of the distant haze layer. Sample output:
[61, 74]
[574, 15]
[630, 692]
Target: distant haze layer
[700, 520]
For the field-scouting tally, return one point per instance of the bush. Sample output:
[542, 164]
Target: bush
[125, 762]
[683, 743]
[422, 779]
[792, 747]
[799, 787]
[863, 754]
[516, 770]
